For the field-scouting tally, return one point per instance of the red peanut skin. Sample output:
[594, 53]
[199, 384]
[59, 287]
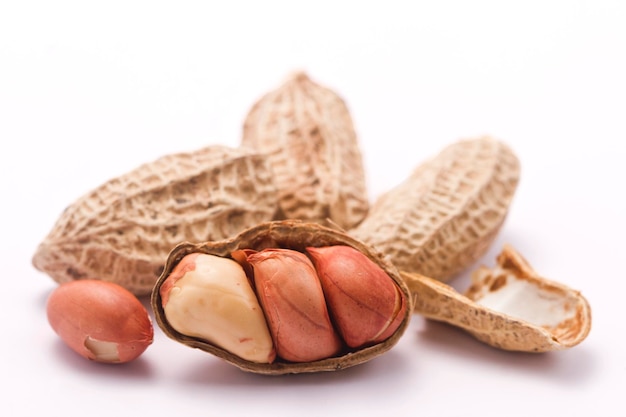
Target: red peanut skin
[101, 310]
[294, 305]
[364, 302]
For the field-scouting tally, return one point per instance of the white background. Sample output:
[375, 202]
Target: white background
[90, 90]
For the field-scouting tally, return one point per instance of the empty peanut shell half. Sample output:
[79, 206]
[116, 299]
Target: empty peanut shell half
[509, 306]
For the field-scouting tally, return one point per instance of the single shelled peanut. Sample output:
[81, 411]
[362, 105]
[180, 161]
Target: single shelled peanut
[99, 320]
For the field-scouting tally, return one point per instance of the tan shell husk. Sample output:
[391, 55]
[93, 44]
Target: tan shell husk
[446, 214]
[290, 234]
[307, 131]
[123, 230]
[441, 302]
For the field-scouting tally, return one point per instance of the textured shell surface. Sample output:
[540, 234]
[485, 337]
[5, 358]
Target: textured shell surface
[313, 150]
[123, 230]
[444, 216]
[560, 315]
[286, 234]
[509, 306]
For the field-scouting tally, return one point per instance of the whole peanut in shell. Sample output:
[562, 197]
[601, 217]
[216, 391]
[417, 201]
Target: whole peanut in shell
[123, 230]
[307, 133]
[446, 214]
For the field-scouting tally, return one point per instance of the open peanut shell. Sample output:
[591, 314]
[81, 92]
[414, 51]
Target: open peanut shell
[287, 234]
[509, 306]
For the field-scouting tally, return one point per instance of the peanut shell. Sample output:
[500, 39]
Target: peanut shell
[308, 134]
[123, 230]
[509, 306]
[445, 215]
[286, 234]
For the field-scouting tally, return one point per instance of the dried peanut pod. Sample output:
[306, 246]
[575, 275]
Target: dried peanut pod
[287, 234]
[123, 230]
[509, 306]
[308, 133]
[442, 218]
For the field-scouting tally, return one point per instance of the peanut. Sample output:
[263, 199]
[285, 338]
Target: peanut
[443, 218]
[293, 301]
[509, 306]
[366, 305]
[307, 133]
[123, 230]
[199, 302]
[100, 321]
[289, 289]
